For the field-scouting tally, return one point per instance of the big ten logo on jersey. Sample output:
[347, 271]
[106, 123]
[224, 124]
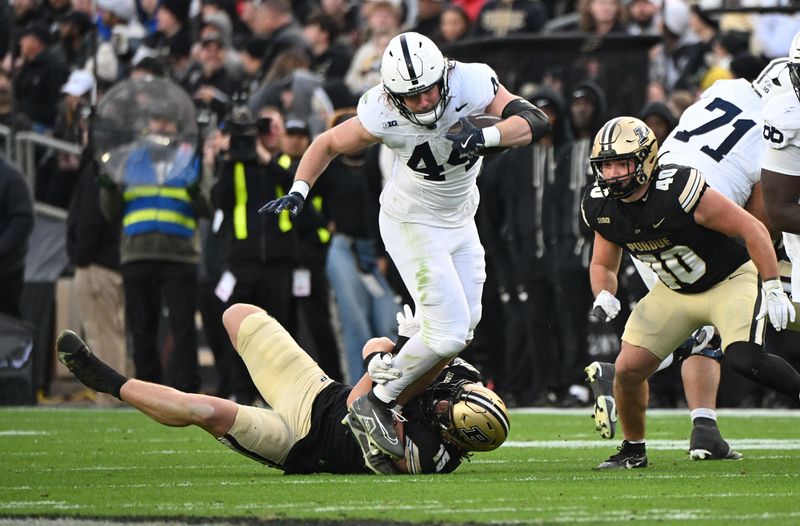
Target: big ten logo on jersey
[389, 124]
[665, 178]
[773, 134]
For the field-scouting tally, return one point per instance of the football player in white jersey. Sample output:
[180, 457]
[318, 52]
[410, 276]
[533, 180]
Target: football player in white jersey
[780, 174]
[428, 204]
[719, 135]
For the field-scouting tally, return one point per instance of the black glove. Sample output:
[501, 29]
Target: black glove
[293, 202]
[469, 140]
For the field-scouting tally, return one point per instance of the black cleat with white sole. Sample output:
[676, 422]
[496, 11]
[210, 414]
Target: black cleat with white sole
[706, 443]
[600, 377]
[377, 419]
[630, 456]
[374, 459]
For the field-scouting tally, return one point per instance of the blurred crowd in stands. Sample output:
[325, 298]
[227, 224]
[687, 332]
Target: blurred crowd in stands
[292, 68]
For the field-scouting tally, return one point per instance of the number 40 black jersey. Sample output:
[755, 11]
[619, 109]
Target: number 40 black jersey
[660, 231]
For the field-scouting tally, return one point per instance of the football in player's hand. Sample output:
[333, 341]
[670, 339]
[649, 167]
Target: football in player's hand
[482, 120]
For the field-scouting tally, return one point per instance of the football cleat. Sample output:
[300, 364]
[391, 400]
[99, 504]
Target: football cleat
[706, 443]
[600, 376]
[378, 422]
[630, 456]
[373, 458]
[88, 368]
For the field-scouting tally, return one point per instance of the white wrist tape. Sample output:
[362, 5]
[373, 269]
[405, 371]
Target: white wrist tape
[491, 136]
[301, 187]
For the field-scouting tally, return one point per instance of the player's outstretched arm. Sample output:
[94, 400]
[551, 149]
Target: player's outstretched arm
[347, 137]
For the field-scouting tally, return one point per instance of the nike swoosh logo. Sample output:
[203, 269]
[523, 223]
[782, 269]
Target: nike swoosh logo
[465, 143]
[656, 225]
[459, 108]
[385, 432]
[630, 465]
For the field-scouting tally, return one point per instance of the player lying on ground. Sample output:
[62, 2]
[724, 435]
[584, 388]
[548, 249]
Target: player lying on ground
[303, 431]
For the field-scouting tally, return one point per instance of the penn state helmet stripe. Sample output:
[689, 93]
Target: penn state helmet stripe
[764, 73]
[407, 57]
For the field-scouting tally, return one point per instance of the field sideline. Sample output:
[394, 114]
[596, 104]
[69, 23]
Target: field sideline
[111, 466]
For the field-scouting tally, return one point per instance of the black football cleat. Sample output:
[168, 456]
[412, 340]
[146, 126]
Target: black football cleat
[706, 443]
[378, 422]
[630, 456]
[600, 376]
[374, 459]
[88, 368]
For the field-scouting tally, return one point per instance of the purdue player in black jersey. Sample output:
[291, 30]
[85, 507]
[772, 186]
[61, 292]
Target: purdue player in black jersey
[303, 432]
[668, 218]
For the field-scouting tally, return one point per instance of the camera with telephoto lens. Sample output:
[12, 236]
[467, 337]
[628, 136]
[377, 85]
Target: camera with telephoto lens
[243, 130]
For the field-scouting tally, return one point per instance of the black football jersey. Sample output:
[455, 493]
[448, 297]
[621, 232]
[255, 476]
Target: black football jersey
[660, 231]
[330, 447]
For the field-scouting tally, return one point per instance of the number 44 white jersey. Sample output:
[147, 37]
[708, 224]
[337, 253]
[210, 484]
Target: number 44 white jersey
[430, 184]
[720, 135]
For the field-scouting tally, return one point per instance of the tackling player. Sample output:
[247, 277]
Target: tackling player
[303, 432]
[667, 217]
[719, 135]
[428, 205]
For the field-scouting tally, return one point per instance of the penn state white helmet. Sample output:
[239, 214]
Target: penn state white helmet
[794, 64]
[773, 79]
[412, 64]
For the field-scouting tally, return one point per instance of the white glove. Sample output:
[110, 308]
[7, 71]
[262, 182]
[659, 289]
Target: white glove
[380, 368]
[407, 324]
[777, 304]
[605, 306]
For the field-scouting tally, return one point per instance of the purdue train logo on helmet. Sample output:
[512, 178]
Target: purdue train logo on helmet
[475, 420]
[412, 64]
[624, 138]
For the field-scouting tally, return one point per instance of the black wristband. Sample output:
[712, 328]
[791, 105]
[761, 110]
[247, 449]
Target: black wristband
[369, 358]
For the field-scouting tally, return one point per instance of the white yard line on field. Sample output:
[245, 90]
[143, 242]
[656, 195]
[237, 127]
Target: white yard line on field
[743, 443]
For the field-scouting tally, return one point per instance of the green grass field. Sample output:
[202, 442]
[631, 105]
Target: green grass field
[117, 464]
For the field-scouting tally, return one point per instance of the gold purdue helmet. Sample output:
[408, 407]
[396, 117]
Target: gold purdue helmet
[476, 419]
[620, 139]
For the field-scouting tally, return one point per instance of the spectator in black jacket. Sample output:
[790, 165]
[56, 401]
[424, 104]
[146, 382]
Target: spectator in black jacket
[93, 248]
[262, 252]
[16, 224]
[38, 81]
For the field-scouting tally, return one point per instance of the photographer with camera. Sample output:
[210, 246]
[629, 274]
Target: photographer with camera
[262, 254]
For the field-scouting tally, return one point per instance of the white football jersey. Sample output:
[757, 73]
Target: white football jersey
[720, 135]
[781, 134]
[430, 184]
